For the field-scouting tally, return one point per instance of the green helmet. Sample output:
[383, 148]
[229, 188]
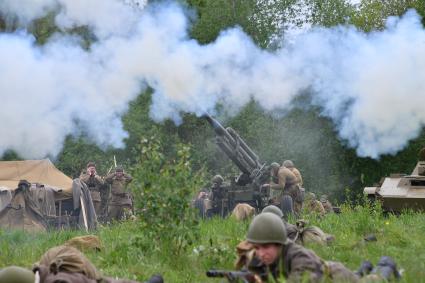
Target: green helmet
[288, 164]
[274, 165]
[217, 179]
[273, 209]
[266, 228]
[323, 198]
[16, 274]
[310, 196]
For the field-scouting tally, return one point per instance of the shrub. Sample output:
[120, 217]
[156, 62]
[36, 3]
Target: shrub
[163, 192]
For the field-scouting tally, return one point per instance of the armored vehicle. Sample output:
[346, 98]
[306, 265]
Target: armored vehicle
[247, 186]
[400, 191]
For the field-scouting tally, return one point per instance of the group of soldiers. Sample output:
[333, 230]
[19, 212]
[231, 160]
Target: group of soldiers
[119, 202]
[285, 180]
[274, 251]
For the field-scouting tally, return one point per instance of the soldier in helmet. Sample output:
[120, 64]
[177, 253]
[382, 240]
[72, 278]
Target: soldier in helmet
[290, 165]
[16, 274]
[120, 199]
[94, 182]
[327, 205]
[218, 194]
[283, 181]
[312, 205]
[297, 233]
[277, 257]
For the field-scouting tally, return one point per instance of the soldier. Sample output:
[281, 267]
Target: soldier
[276, 256]
[312, 205]
[299, 199]
[297, 233]
[283, 182]
[290, 165]
[94, 182]
[327, 205]
[218, 193]
[120, 199]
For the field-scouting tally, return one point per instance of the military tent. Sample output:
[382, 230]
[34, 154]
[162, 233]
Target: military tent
[47, 197]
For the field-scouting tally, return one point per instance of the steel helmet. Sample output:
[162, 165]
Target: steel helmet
[266, 228]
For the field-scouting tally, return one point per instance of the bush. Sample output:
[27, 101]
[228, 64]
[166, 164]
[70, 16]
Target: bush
[163, 192]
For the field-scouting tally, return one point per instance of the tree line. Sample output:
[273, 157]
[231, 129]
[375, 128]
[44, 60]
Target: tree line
[301, 134]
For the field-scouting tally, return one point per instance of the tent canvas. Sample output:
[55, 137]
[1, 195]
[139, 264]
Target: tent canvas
[35, 171]
[51, 195]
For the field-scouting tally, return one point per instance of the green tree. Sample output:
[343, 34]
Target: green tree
[372, 14]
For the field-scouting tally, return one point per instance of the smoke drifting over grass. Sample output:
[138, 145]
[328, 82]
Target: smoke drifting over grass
[371, 85]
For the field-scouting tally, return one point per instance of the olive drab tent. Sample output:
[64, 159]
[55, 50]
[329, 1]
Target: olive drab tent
[35, 195]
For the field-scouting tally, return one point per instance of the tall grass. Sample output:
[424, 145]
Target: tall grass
[126, 251]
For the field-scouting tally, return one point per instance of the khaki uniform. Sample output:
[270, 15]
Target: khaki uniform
[297, 174]
[120, 198]
[314, 206]
[94, 183]
[327, 206]
[286, 184]
[298, 264]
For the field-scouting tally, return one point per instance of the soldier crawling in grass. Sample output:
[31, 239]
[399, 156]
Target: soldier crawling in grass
[121, 201]
[275, 257]
[300, 233]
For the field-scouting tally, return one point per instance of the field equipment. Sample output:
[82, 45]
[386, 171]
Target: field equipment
[247, 186]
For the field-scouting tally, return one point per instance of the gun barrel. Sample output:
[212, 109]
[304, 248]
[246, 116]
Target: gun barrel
[216, 273]
[232, 276]
[234, 147]
[218, 128]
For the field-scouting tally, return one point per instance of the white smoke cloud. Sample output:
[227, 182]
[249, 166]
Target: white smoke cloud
[370, 85]
[27, 10]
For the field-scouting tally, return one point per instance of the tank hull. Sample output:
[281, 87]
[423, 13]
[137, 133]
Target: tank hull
[398, 192]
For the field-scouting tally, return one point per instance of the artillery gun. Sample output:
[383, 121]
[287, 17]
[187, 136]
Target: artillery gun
[247, 186]
[400, 191]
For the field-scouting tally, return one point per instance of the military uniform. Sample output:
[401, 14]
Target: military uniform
[120, 198]
[296, 233]
[312, 205]
[218, 197]
[298, 201]
[94, 183]
[293, 262]
[326, 204]
[286, 184]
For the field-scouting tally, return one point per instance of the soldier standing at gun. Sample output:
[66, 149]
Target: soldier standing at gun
[94, 182]
[120, 200]
[283, 182]
[218, 193]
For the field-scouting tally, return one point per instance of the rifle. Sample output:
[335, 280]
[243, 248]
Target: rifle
[253, 170]
[235, 276]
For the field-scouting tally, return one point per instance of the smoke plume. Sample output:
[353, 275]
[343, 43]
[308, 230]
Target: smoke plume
[370, 85]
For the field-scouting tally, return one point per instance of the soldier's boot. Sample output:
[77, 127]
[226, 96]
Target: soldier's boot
[387, 268]
[155, 279]
[365, 268]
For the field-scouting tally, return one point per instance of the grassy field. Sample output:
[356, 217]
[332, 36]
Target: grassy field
[128, 253]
